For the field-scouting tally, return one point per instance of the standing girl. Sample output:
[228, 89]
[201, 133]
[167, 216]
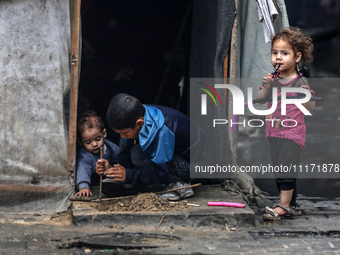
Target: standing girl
[291, 49]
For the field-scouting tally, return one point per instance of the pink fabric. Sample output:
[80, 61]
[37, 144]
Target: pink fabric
[276, 129]
[230, 204]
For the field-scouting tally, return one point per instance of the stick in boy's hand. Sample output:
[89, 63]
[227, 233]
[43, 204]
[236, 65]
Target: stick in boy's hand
[101, 165]
[101, 176]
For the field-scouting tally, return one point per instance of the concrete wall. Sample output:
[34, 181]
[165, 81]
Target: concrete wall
[34, 77]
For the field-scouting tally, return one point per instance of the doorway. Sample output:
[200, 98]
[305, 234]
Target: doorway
[134, 47]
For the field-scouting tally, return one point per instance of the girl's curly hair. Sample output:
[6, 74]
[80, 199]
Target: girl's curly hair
[299, 42]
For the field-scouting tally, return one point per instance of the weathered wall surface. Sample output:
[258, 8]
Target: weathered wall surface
[34, 77]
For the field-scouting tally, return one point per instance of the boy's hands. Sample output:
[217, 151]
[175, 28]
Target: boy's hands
[85, 192]
[101, 166]
[116, 173]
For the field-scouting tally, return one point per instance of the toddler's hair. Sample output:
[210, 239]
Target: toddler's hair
[88, 120]
[299, 42]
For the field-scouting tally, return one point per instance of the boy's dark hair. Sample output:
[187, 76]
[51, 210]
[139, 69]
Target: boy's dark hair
[299, 42]
[123, 111]
[88, 120]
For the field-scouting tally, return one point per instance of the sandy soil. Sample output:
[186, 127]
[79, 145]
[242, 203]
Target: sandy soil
[140, 203]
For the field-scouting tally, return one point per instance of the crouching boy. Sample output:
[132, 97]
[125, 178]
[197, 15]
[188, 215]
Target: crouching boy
[155, 144]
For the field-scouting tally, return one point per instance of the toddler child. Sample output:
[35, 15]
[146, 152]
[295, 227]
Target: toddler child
[92, 134]
[290, 48]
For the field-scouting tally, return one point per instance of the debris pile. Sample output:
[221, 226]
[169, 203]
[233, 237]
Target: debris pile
[149, 202]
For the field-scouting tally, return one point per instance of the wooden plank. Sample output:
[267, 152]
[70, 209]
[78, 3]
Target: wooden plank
[74, 84]
[232, 75]
[35, 188]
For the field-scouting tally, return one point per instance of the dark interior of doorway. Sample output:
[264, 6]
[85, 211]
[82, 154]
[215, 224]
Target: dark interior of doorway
[127, 46]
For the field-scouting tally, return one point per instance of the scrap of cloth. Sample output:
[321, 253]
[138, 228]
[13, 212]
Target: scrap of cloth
[267, 15]
[253, 53]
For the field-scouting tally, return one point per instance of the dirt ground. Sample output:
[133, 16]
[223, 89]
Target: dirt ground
[140, 203]
[145, 202]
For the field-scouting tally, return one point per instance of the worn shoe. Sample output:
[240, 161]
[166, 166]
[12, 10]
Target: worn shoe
[171, 196]
[178, 194]
[273, 215]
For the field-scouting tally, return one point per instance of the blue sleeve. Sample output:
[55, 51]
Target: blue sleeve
[146, 176]
[84, 170]
[141, 176]
[124, 156]
[112, 156]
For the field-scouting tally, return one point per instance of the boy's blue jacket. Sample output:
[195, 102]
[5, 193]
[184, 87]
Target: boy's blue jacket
[155, 137]
[86, 175]
[165, 132]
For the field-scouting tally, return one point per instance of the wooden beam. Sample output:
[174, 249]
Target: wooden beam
[232, 76]
[74, 84]
[27, 188]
